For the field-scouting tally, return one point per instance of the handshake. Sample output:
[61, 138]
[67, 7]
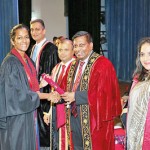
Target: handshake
[58, 94]
[54, 96]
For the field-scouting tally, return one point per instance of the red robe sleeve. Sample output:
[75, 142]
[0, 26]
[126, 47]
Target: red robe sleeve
[103, 93]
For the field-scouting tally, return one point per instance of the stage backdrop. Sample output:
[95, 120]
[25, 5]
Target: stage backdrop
[85, 15]
[8, 18]
[127, 21]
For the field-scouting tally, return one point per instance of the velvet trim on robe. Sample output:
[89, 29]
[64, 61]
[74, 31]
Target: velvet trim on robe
[104, 102]
[103, 86]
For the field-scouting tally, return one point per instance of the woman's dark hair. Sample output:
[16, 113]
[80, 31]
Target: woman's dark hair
[140, 72]
[15, 28]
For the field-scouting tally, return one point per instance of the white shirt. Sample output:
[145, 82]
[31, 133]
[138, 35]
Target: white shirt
[39, 45]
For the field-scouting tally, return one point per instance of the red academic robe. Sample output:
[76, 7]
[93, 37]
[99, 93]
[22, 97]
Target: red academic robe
[104, 103]
[60, 114]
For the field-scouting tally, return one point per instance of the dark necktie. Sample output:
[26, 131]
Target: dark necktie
[61, 74]
[76, 83]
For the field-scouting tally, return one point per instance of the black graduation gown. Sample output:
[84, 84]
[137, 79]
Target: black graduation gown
[48, 59]
[17, 106]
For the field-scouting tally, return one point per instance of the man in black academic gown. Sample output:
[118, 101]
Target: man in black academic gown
[44, 54]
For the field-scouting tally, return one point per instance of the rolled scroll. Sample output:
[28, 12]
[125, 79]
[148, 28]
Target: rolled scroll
[60, 108]
[49, 80]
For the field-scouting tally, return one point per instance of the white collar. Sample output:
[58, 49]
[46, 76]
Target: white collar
[41, 43]
[67, 63]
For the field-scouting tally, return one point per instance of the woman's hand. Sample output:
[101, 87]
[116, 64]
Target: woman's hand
[54, 97]
[43, 83]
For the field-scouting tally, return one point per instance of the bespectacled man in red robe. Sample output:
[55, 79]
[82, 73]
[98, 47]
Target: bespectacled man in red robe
[96, 98]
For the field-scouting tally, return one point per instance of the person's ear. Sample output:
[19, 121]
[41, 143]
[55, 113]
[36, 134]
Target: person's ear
[44, 31]
[12, 42]
[91, 45]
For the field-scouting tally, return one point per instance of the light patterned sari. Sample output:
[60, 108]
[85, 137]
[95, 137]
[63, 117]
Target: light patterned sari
[138, 106]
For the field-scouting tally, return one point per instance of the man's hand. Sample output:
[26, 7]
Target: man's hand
[68, 97]
[46, 118]
[54, 97]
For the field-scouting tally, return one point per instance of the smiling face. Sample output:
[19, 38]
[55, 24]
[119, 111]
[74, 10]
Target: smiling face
[65, 51]
[82, 48]
[145, 56]
[21, 40]
[37, 31]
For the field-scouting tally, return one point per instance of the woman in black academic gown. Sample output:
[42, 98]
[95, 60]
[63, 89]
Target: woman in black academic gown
[19, 95]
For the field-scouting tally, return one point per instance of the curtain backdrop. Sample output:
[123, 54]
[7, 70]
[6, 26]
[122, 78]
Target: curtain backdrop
[127, 21]
[85, 15]
[8, 18]
[25, 11]
[25, 8]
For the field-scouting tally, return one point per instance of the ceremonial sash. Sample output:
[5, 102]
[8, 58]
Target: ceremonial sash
[33, 83]
[84, 109]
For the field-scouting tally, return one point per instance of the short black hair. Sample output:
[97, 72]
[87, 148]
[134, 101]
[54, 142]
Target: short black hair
[38, 20]
[83, 33]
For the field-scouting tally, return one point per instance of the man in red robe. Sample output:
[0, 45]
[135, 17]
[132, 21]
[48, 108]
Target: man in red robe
[94, 99]
[66, 55]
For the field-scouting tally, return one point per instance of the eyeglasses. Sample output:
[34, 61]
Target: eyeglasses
[80, 45]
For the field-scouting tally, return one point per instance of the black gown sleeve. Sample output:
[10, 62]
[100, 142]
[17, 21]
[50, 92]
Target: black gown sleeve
[16, 96]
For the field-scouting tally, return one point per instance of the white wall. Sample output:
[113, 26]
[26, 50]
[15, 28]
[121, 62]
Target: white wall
[52, 12]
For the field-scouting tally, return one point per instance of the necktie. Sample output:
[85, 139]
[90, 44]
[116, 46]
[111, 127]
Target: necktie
[35, 53]
[61, 74]
[76, 83]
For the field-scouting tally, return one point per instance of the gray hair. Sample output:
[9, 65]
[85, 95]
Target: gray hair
[83, 33]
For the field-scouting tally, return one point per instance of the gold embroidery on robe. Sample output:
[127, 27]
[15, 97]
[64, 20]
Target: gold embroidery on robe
[84, 109]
